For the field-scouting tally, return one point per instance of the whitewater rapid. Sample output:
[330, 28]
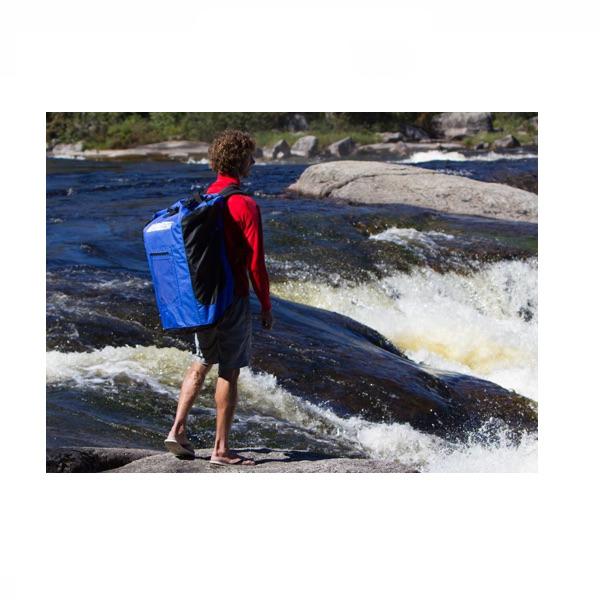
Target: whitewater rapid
[161, 369]
[483, 323]
[434, 155]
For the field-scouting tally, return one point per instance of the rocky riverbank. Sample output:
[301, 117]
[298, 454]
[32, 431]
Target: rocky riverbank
[173, 150]
[375, 182]
[306, 148]
[450, 132]
[129, 460]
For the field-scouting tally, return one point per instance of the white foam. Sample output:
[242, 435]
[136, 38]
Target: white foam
[193, 161]
[501, 456]
[431, 155]
[412, 239]
[160, 369]
[471, 324]
[396, 441]
[383, 441]
[67, 156]
[163, 368]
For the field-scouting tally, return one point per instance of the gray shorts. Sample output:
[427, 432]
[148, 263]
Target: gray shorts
[229, 343]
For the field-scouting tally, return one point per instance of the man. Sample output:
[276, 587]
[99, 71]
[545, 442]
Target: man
[229, 342]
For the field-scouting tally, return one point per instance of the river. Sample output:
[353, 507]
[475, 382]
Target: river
[454, 297]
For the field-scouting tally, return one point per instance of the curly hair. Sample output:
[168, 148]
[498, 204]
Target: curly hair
[229, 150]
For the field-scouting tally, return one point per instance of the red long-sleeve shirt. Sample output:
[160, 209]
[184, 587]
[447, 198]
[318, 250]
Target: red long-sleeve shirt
[242, 226]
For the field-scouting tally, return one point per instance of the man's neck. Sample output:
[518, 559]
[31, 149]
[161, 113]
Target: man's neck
[231, 178]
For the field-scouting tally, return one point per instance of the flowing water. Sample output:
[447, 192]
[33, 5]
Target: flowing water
[448, 294]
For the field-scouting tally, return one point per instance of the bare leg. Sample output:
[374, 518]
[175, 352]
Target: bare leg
[192, 383]
[226, 401]
[226, 397]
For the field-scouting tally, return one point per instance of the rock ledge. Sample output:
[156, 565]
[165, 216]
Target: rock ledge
[129, 460]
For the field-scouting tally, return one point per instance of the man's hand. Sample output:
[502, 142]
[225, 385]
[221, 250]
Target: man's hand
[267, 319]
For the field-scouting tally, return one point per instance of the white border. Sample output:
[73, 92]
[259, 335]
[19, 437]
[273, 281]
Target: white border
[298, 536]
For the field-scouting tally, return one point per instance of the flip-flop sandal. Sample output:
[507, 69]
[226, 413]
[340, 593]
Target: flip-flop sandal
[190, 447]
[179, 450]
[239, 461]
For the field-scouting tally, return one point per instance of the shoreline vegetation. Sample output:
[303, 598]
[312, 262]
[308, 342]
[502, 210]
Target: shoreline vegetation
[283, 136]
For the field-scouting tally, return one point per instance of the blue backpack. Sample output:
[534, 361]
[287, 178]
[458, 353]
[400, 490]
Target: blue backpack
[192, 277]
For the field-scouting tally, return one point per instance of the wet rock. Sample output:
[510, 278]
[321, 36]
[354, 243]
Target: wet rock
[396, 149]
[375, 182]
[482, 146]
[524, 181]
[376, 381]
[509, 141]
[341, 148]
[129, 460]
[91, 460]
[306, 146]
[459, 124]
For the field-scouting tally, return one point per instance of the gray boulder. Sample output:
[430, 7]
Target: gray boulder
[534, 122]
[306, 146]
[509, 141]
[375, 182]
[341, 148]
[456, 133]
[390, 137]
[423, 146]
[454, 125]
[407, 133]
[396, 149]
[415, 134]
[451, 146]
[279, 151]
[68, 149]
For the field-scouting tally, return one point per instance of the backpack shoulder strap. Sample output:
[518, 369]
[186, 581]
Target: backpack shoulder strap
[196, 197]
[231, 190]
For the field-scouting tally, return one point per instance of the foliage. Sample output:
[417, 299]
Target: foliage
[504, 123]
[126, 129]
[120, 130]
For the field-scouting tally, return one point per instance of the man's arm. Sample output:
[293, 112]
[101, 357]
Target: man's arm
[255, 261]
